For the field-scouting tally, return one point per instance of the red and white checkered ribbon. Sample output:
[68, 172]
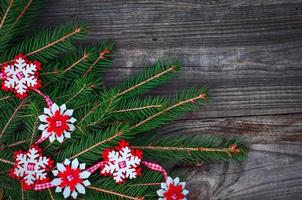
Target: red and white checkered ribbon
[40, 140]
[156, 167]
[96, 166]
[43, 186]
[45, 97]
[92, 169]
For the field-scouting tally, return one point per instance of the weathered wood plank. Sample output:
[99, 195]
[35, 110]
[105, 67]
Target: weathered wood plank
[248, 52]
[265, 129]
[271, 172]
[247, 55]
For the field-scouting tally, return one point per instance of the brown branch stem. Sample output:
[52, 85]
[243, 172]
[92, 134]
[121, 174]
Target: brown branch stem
[7, 97]
[231, 149]
[23, 12]
[201, 96]
[101, 57]
[144, 184]
[6, 13]
[115, 193]
[17, 143]
[6, 161]
[77, 30]
[11, 118]
[84, 57]
[173, 68]
[22, 193]
[117, 134]
[138, 108]
[50, 194]
[79, 92]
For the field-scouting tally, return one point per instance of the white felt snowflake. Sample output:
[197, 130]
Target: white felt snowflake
[122, 164]
[20, 76]
[72, 177]
[31, 167]
[57, 123]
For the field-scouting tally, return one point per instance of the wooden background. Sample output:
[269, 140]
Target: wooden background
[248, 53]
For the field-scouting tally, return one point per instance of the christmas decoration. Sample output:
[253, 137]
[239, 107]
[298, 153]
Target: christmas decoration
[172, 189]
[123, 163]
[31, 167]
[57, 123]
[21, 75]
[72, 178]
[87, 144]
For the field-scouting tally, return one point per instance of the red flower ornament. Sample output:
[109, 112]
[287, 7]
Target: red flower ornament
[20, 76]
[72, 177]
[172, 190]
[57, 123]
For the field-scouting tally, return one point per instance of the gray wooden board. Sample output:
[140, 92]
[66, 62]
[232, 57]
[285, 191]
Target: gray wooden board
[248, 53]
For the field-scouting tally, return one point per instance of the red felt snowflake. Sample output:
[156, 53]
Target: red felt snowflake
[122, 162]
[20, 76]
[31, 167]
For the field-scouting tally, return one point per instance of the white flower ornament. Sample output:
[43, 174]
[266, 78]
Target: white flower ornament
[71, 178]
[172, 190]
[57, 123]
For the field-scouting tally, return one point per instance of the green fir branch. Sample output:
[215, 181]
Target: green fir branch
[47, 44]
[104, 116]
[89, 147]
[137, 109]
[16, 16]
[186, 101]
[191, 149]
[149, 78]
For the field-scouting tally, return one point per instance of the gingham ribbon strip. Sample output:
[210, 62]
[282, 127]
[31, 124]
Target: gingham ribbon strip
[45, 97]
[96, 166]
[92, 169]
[156, 167]
[41, 139]
[43, 186]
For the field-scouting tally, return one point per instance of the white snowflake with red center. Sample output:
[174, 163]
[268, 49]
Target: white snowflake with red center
[20, 76]
[172, 189]
[57, 123]
[31, 167]
[123, 163]
[71, 176]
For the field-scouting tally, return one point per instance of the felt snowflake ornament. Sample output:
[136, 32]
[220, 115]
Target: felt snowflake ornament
[172, 190]
[20, 76]
[31, 167]
[72, 177]
[57, 123]
[122, 162]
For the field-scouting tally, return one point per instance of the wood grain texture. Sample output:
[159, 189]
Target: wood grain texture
[247, 52]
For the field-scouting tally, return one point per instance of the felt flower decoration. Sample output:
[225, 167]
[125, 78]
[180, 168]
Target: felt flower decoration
[71, 178]
[57, 123]
[172, 189]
